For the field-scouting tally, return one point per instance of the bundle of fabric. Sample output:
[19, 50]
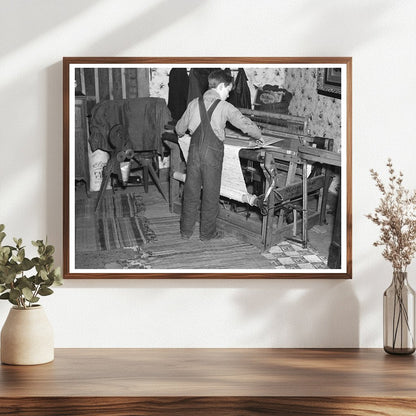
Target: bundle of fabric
[143, 118]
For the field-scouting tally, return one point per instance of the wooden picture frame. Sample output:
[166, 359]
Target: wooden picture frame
[329, 82]
[306, 166]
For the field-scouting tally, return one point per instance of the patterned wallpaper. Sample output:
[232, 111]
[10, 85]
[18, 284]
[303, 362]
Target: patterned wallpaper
[324, 113]
[257, 77]
[159, 82]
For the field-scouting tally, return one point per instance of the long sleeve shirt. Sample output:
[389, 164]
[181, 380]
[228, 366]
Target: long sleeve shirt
[224, 112]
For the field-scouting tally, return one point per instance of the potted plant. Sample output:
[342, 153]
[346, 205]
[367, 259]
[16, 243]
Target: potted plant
[26, 336]
[396, 217]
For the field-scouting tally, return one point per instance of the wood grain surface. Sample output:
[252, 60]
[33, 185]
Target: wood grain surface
[212, 382]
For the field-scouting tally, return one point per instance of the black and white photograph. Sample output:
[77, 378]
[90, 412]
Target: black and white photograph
[214, 167]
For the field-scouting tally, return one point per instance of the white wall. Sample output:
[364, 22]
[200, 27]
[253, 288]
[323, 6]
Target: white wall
[380, 36]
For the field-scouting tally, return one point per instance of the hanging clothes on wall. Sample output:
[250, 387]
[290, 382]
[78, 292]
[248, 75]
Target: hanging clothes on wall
[144, 118]
[198, 82]
[240, 96]
[104, 115]
[178, 92]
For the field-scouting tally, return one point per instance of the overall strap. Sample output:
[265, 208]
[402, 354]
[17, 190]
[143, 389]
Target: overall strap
[212, 108]
[205, 126]
[206, 116]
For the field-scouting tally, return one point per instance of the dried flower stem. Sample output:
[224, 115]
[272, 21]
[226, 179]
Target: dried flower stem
[396, 216]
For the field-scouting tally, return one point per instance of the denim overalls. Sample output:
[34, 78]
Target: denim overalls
[206, 153]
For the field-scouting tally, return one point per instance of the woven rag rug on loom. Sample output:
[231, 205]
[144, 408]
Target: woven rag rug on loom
[118, 223]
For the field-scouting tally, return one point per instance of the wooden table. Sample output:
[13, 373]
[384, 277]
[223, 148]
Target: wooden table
[212, 382]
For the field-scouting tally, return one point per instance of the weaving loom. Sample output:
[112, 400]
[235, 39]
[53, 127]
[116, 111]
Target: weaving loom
[265, 190]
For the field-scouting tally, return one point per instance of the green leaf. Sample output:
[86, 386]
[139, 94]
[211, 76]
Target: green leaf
[4, 271]
[37, 280]
[49, 250]
[11, 248]
[15, 294]
[45, 291]
[7, 297]
[27, 293]
[18, 242]
[3, 259]
[21, 255]
[8, 277]
[47, 260]
[14, 268]
[14, 302]
[57, 272]
[56, 276]
[24, 282]
[43, 275]
[26, 264]
[5, 249]
[5, 252]
[15, 285]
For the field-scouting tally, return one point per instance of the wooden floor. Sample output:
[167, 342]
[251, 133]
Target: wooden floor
[170, 251]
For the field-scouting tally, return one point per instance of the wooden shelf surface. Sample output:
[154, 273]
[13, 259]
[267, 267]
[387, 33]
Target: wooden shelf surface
[222, 381]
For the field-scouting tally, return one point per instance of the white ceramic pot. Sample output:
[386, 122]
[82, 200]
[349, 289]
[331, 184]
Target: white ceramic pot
[27, 337]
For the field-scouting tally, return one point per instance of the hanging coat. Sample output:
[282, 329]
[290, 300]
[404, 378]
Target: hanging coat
[240, 96]
[144, 118]
[178, 92]
[198, 82]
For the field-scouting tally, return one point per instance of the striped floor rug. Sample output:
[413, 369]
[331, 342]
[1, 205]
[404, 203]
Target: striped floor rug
[113, 238]
[118, 223]
[170, 251]
[111, 206]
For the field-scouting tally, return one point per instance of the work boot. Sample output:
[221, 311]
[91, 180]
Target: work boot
[216, 236]
[185, 236]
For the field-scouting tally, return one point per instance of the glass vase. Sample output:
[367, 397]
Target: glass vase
[399, 316]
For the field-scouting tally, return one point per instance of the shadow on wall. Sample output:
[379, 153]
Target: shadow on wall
[287, 313]
[42, 16]
[141, 27]
[301, 314]
[4, 311]
[131, 33]
[349, 25]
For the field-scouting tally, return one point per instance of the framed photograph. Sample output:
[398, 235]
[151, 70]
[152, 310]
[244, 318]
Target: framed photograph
[207, 167]
[329, 82]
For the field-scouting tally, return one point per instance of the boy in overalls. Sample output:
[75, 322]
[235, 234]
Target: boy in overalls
[205, 118]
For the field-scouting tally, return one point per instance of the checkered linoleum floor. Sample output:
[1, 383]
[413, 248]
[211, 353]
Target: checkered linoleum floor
[287, 255]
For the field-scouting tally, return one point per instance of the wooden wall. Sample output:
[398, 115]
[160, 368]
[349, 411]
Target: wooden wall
[99, 84]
